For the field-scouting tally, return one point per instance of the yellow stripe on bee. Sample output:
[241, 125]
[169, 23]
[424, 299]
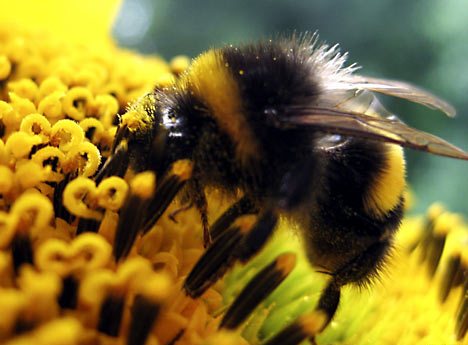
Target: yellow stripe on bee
[388, 186]
[211, 81]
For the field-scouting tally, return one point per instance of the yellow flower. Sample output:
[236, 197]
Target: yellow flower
[64, 86]
[418, 300]
[83, 22]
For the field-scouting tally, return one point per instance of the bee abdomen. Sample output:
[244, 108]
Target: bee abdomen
[388, 184]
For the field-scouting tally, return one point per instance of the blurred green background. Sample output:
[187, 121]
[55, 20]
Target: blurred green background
[421, 41]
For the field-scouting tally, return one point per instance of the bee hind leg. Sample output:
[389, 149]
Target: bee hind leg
[360, 270]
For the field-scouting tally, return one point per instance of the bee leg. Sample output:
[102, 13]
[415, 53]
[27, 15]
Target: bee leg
[309, 325]
[329, 301]
[179, 173]
[258, 289]
[240, 241]
[142, 210]
[243, 242]
[304, 327]
[256, 238]
[183, 208]
[201, 204]
[116, 164]
[295, 186]
[358, 270]
[243, 206]
[131, 215]
[218, 258]
[122, 132]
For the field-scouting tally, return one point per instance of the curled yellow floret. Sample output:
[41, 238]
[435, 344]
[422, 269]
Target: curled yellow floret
[7, 229]
[29, 174]
[85, 253]
[51, 85]
[9, 116]
[92, 250]
[36, 124]
[25, 88]
[85, 157]
[49, 156]
[143, 184]
[66, 134]
[34, 208]
[52, 255]
[6, 179]
[76, 101]
[20, 144]
[106, 106]
[51, 105]
[75, 194]
[93, 124]
[111, 193]
[23, 106]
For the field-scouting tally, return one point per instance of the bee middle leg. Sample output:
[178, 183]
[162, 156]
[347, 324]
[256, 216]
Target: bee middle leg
[242, 240]
[172, 216]
[200, 202]
[243, 206]
[238, 236]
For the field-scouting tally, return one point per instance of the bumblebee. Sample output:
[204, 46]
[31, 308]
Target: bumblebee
[290, 131]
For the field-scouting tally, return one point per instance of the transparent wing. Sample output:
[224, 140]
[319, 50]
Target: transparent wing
[401, 89]
[356, 124]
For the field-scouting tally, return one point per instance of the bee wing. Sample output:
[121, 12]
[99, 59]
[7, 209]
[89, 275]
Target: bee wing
[403, 90]
[389, 130]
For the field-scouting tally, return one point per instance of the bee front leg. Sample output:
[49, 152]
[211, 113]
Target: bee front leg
[143, 208]
[118, 162]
